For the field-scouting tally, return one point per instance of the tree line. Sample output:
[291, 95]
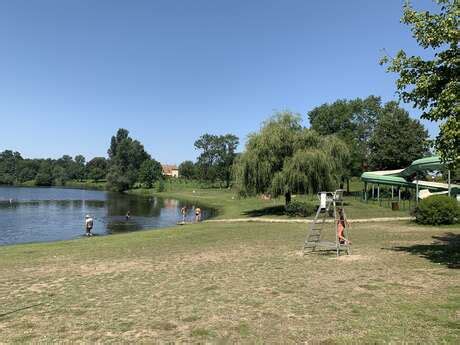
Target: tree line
[127, 164]
[344, 139]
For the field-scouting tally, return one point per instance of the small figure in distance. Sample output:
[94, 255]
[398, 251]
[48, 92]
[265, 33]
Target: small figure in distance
[183, 211]
[197, 214]
[341, 223]
[89, 225]
[128, 215]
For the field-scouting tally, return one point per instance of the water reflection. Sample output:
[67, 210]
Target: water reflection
[26, 215]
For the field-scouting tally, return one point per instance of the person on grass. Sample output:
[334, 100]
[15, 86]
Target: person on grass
[341, 224]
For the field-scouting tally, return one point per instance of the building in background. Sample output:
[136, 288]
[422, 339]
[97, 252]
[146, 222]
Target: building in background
[170, 170]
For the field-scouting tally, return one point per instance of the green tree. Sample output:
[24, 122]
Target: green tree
[97, 168]
[397, 139]
[285, 158]
[9, 166]
[353, 121]
[150, 172]
[44, 176]
[433, 84]
[187, 170]
[207, 144]
[226, 154]
[216, 158]
[126, 157]
[27, 170]
[79, 167]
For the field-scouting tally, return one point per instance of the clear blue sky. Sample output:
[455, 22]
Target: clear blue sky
[72, 72]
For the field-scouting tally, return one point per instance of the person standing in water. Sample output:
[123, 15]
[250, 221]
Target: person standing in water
[183, 211]
[197, 214]
[89, 222]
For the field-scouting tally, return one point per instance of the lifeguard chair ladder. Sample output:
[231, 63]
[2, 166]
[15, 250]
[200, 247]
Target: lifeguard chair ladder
[314, 241]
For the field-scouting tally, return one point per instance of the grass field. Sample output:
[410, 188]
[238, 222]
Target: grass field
[226, 283]
[228, 205]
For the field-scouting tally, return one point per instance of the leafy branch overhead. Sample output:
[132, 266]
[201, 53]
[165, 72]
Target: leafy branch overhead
[433, 84]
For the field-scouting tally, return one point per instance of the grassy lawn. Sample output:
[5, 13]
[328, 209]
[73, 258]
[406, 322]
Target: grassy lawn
[226, 283]
[230, 206]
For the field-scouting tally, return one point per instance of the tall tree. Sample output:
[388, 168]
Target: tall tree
[433, 84]
[97, 168]
[217, 156]
[80, 167]
[9, 166]
[397, 139]
[126, 157]
[150, 172]
[351, 120]
[187, 170]
[226, 153]
[285, 158]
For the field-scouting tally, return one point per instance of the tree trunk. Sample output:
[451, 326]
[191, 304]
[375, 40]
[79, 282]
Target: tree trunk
[348, 185]
[287, 197]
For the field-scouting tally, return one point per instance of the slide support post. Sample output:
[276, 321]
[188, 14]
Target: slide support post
[448, 182]
[365, 191]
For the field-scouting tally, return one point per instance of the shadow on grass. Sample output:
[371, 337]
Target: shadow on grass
[20, 309]
[278, 210]
[444, 250]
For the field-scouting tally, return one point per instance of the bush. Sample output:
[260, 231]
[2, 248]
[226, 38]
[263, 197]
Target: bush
[161, 185]
[437, 209]
[300, 208]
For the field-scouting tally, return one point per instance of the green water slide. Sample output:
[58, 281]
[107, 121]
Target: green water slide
[408, 177]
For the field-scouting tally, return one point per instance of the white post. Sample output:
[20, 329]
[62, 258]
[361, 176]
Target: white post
[448, 182]
[416, 189]
[378, 192]
[365, 191]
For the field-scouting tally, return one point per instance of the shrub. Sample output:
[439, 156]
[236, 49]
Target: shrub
[437, 209]
[300, 208]
[161, 185]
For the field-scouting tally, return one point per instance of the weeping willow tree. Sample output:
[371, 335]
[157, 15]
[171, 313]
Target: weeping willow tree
[285, 158]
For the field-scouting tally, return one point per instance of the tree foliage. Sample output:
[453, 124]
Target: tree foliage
[187, 170]
[397, 139]
[353, 121]
[150, 172]
[433, 84]
[126, 157]
[285, 158]
[97, 168]
[216, 158]
[44, 172]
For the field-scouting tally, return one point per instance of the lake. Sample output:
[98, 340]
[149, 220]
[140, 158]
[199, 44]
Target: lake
[52, 214]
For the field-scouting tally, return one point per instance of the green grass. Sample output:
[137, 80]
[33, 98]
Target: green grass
[227, 283]
[87, 184]
[236, 282]
[84, 184]
[229, 205]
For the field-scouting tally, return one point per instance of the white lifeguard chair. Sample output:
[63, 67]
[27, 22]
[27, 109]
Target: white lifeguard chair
[314, 241]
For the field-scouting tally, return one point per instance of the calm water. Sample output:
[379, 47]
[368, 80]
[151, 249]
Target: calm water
[51, 214]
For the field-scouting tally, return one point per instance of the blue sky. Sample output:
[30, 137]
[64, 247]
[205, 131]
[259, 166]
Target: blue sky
[73, 72]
